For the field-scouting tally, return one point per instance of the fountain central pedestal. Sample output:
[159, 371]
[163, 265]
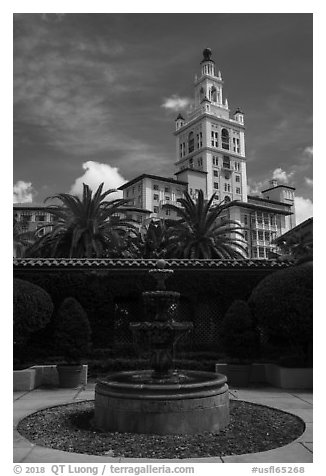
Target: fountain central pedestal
[161, 400]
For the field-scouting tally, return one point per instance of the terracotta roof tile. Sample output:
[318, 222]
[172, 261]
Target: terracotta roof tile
[147, 263]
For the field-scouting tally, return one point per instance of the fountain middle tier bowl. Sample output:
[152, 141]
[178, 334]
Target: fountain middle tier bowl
[133, 402]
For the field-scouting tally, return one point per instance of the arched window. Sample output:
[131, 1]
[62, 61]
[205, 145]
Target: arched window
[227, 199]
[213, 94]
[225, 139]
[191, 142]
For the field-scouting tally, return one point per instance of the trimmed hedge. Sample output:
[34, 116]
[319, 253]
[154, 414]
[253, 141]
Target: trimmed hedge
[32, 308]
[238, 335]
[72, 331]
[282, 303]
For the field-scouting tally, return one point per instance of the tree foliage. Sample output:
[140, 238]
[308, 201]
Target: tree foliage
[86, 227]
[282, 304]
[201, 231]
[72, 331]
[32, 308]
[238, 335]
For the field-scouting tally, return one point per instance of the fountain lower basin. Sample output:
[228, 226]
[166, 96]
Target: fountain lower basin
[189, 402]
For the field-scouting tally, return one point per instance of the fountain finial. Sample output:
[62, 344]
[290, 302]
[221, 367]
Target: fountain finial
[160, 274]
[161, 263]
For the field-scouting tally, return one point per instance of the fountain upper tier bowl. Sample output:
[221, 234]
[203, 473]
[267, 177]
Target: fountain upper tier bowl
[134, 402]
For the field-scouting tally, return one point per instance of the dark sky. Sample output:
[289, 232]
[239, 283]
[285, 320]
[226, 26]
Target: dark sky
[97, 92]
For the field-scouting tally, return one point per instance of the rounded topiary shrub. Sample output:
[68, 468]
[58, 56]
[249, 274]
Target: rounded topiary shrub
[237, 333]
[32, 308]
[72, 332]
[282, 303]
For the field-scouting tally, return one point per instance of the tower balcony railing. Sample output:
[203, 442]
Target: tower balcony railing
[227, 167]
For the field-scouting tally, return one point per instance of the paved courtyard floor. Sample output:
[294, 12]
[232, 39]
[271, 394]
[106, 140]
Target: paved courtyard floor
[297, 402]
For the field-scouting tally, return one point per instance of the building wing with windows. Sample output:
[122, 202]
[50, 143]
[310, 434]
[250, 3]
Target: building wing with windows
[33, 217]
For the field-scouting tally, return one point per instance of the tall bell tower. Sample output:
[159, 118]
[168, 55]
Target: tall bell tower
[210, 143]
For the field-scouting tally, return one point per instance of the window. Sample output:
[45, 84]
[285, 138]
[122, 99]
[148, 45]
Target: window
[167, 212]
[260, 236]
[155, 209]
[227, 199]
[261, 252]
[156, 196]
[254, 235]
[227, 187]
[215, 160]
[225, 139]
[236, 145]
[215, 173]
[200, 162]
[245, 219]
[267, 236]
[191, 142]
[167, 198]
[259, 218]
[237, 178]
[238, 190]
[273, 220]
[216, 185]
[191, 163]
[40, 218]
[155, 187]
[213, 94]
[254, 253]
[166, 189]
[226, 162]
[266, 220]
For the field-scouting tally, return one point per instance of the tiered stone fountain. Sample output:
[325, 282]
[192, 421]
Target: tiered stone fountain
[161, 400]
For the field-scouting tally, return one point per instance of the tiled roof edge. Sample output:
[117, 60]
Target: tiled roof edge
[60, 263]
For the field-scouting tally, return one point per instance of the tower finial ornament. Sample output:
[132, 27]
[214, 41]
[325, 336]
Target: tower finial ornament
[207, 53]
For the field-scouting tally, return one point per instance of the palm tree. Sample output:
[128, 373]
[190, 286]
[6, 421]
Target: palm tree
[153, 239]
[90, 227]
[296, 248]
[201, 233]
[22, 240]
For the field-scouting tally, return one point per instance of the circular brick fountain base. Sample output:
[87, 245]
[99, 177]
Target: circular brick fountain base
[133, 402]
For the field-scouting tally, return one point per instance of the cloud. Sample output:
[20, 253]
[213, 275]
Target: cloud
[281, 175]
[303, 209]
[308, 181]
[23, 192]
[255, 187]
[96, 173]
[308, 151]
[175, 103]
